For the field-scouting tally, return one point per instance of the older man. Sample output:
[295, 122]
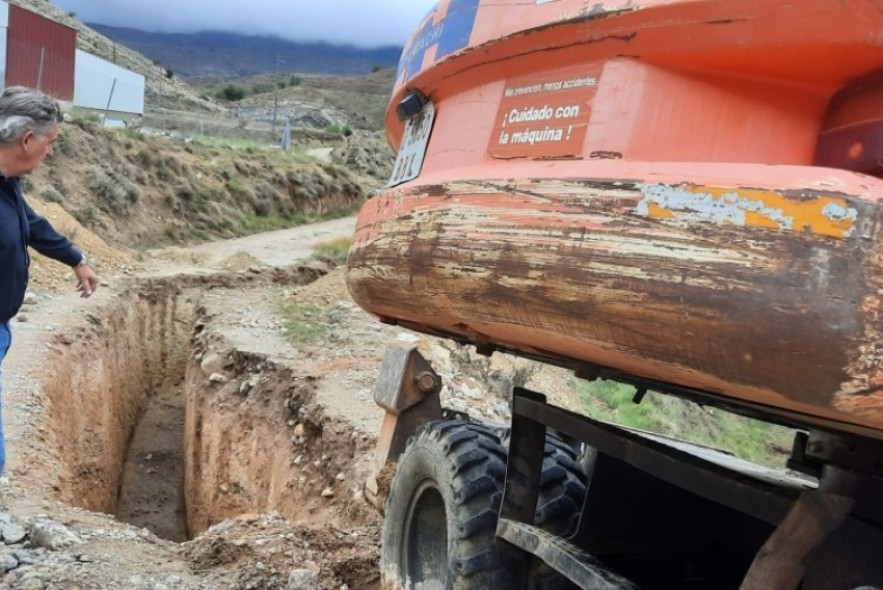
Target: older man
[29, 125]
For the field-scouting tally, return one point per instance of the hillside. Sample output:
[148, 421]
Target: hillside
[222, 55]
[175, 180]
[317, 101]
[137, 190]
[161, 90]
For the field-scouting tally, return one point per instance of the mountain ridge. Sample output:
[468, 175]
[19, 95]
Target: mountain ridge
[224, 55]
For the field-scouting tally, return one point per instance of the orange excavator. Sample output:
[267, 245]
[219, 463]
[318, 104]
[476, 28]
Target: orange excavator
[682, 195]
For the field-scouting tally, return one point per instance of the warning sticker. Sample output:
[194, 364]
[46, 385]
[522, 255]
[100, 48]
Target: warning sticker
[545, 115]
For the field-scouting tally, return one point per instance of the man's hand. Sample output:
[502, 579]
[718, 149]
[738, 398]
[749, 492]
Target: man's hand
[87, 280]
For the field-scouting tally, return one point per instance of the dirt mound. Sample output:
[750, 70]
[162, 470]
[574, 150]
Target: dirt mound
[106, 260]
[241, 261]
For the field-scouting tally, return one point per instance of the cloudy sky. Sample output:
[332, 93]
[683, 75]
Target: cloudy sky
[367, 23]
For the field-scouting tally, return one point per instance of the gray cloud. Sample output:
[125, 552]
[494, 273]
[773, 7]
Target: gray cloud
[367, 23]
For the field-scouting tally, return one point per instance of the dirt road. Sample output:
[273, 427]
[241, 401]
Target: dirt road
[278, 248]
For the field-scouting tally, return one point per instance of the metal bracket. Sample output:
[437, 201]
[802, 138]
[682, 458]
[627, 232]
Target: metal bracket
[408, 390]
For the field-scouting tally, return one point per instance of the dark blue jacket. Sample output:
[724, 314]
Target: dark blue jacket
[20, 227]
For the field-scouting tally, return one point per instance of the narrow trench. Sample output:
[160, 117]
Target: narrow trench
[152, 488]
[175, 430]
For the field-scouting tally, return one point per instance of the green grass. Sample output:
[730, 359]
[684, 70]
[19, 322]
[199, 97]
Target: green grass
[253, 147]
[263, 223]
[335, 250]
[305, 324]
[749, 439]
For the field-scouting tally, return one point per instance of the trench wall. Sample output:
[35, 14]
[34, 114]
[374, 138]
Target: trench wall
[98, 383]
[258, 441]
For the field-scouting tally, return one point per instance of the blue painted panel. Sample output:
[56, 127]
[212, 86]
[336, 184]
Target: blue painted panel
[450, 35]
[457, 27]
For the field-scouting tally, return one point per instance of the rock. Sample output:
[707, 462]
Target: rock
[31, 581]
[8, 562]
[30, 299]
[328, 492]
[12, 532]
[52, 535]
[502, 409]
[21, 318]
[298, 437]
[302, 580]
[25, 557]
[217, 378]
[212, 362]
[222, 527]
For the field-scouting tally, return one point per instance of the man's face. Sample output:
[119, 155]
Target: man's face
[36, 147]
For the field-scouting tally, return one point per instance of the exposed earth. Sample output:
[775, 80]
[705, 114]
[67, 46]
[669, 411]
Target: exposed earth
[206, 421]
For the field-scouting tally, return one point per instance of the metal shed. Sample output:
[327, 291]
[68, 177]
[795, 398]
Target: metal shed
[38, 52]
[107, 87]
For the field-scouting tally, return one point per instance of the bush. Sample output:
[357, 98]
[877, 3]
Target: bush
[51, 195]
[232, 92]
[115, 192]
[338, 129]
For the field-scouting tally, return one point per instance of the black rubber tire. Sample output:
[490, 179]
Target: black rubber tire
[562, 488]
[442, 511]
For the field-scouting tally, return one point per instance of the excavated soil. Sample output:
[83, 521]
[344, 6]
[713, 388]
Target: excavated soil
[205, 421]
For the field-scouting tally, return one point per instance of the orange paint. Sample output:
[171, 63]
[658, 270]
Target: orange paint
[673, 219]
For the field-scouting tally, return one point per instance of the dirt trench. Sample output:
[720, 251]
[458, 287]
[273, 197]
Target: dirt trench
[152, 414]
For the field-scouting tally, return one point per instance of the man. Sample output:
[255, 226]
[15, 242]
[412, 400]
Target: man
[29, 125]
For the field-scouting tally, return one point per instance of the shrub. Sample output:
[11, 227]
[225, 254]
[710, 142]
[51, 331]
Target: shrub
[338, 129]
[232, 92]
[51, 195]
[64, 144]
[114, 191]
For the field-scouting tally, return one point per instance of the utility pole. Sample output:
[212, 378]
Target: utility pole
[275, 93]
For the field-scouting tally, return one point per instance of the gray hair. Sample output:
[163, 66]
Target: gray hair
[25, 109]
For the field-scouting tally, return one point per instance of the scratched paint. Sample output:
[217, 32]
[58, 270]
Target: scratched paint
[820, 215]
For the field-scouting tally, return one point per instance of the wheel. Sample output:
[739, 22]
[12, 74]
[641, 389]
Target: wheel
[443, 506]
[562, 488]
[442, 511]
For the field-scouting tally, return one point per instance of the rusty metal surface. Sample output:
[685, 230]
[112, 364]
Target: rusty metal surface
[580, 568]
[408, 390]
[771, 296]
[781, 562]
[405, 379]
